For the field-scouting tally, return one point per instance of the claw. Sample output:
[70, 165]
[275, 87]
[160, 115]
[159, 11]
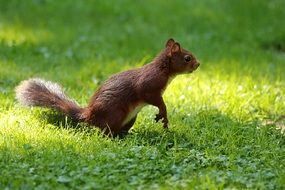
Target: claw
[157, 117]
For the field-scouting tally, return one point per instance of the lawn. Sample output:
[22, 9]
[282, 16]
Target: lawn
[226, 118]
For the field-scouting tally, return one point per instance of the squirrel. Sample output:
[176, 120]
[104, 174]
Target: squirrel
[115, 105]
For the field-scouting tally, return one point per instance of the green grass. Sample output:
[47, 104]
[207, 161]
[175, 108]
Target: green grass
[225, 118]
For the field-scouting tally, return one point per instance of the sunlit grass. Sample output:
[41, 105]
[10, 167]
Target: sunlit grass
[215, 121]
[17, 35]
[245, 98]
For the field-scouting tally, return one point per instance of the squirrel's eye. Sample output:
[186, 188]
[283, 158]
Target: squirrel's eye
[187, 58]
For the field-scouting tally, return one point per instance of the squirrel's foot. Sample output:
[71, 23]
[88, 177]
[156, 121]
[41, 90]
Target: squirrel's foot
[165, 125]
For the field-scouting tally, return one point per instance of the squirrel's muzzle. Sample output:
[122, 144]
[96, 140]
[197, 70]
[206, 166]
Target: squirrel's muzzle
[196, 65]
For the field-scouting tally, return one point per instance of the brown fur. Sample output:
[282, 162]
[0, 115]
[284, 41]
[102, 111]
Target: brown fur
[114, 105]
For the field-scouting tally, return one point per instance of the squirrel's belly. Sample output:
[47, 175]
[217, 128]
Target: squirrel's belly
[134, 110]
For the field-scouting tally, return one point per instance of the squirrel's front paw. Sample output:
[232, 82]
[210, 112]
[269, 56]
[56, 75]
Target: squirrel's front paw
[157, 117]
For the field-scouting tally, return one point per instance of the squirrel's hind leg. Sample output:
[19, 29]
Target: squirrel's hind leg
[125, 129]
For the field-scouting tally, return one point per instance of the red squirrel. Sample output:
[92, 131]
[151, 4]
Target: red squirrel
[115, 105]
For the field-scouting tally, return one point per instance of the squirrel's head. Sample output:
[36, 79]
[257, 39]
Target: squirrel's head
[181, 60]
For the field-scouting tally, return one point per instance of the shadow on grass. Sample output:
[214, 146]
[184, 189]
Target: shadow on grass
[208, 129]
[60, 120]
[201, 130]
[185, 126]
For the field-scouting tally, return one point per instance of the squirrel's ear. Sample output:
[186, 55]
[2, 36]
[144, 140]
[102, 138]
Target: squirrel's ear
[175, 47]
[169, 42]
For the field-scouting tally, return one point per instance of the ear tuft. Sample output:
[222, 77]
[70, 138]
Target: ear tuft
[175, 47]
[169, 42]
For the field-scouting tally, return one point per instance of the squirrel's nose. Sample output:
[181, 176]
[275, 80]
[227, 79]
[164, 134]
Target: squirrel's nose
[197, 64]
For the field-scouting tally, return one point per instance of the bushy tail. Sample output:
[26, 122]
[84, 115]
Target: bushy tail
[38, 92]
